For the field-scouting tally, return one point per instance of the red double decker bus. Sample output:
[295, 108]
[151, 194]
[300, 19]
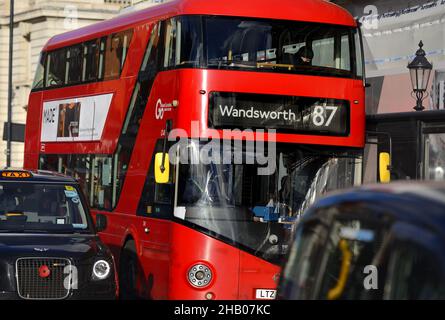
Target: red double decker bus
[119, 103]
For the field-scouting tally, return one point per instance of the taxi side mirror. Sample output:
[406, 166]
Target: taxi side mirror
[162, 168]
[101, 223]
[385, 167]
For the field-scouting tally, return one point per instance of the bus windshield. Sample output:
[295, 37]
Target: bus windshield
[42, 208]
[258, 212]
[263, 45]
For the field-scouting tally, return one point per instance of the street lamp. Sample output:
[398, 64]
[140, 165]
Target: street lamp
[420, 71]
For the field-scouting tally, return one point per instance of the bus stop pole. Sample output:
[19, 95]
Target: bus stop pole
[11, 46]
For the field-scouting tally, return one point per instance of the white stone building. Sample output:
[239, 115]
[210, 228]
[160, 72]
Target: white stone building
[36, 21]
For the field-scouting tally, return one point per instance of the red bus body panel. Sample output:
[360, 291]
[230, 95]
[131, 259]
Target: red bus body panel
[170, 248]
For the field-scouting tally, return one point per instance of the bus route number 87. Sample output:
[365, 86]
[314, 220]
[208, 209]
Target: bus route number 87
[322, 116]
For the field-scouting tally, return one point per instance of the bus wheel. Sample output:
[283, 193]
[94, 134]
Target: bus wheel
[128, 272]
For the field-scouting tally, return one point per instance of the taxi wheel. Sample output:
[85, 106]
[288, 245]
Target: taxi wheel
[128, 272]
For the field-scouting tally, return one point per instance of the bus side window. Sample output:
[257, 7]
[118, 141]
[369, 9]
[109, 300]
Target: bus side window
[116, 54]
[40, 73]
[102, 183]
[74, 64]
[77, 166]
[56, 68]
[91, 59]
[172, 42]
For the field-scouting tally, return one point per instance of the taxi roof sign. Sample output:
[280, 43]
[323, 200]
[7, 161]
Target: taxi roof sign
[16, 174]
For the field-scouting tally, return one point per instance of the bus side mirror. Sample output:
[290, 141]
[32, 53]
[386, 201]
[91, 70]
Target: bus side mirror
[385, 167]
[162, 168]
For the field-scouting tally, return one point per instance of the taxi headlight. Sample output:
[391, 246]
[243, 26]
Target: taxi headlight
[101, 270]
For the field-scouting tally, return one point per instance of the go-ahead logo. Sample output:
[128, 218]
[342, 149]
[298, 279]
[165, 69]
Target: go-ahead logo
[161, 109]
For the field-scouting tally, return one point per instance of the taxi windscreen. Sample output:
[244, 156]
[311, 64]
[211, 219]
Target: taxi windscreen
[33, 207]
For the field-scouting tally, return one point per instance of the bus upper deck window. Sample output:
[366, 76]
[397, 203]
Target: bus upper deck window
[345, 53]
[170, 43]
[359, 54]
[183, 42]
[91, 57]
[40, 72]
[56, 68]
[116, 54]
[74, 64]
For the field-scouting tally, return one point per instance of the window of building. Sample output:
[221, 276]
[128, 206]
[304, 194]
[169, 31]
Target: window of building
[116, 54]
[56, 68]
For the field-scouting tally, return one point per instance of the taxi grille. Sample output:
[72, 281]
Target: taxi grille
[42, 278]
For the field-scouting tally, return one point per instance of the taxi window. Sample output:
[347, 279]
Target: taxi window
[353, 246]
[41, 207]
[300, 274]
[414, 274]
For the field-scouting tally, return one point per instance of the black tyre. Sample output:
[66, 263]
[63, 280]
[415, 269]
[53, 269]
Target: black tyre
[128, 272]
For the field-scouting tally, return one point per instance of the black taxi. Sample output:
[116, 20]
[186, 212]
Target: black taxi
[49, 248]
[384, 242]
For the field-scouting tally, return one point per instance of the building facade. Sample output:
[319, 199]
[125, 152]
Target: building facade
[35, 22]
[392, 30]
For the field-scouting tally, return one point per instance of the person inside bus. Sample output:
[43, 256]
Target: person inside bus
[304, 56]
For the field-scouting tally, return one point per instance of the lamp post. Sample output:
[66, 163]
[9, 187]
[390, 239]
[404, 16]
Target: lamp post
[10, 92]
[420, 71]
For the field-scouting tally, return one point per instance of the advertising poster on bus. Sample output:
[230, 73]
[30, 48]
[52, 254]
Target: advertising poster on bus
[78, 119]
[69, 116]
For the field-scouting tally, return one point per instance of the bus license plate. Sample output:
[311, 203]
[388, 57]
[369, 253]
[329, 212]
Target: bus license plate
[266, 294]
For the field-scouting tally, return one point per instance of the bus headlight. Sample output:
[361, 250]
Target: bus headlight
[101, 270]
[200, 276]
